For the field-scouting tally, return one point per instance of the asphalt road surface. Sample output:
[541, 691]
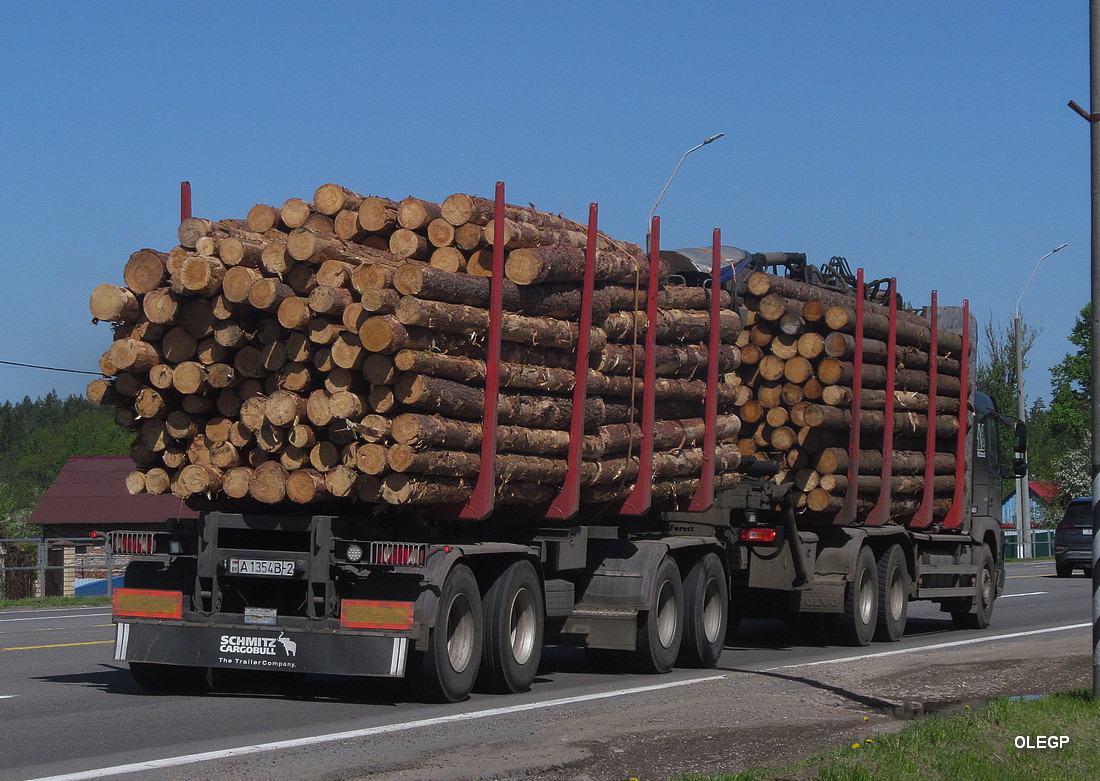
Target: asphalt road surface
[67, 710]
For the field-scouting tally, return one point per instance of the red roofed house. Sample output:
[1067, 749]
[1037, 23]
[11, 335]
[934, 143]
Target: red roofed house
[89, 494]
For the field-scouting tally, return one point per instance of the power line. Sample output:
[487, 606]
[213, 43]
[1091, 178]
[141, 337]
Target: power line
[48, 368]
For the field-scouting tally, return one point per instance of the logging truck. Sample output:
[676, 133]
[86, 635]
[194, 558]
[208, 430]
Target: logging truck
[579, 443]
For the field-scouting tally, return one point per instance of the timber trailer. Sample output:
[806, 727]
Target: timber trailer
[469, 595]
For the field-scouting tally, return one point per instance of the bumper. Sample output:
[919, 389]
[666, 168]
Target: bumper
[1078, 558]
[256, 648]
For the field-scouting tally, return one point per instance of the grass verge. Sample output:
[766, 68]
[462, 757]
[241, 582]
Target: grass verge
[55, 602]
[978, 745]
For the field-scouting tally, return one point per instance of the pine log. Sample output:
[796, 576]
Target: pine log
[331, 198]
[566, 264]
[378, 215]
[144, 271]
[415, 214]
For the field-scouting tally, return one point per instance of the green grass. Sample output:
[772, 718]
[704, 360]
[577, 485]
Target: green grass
[977, 745]
[55, 602]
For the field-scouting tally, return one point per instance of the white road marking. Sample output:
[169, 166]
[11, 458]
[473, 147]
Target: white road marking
[1028, 594]
[8, 696]
[53, 618]
[935, 646]
[41, 610]
[188, 759]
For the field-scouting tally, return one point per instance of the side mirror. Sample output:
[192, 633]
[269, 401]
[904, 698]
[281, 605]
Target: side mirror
[1019, 445]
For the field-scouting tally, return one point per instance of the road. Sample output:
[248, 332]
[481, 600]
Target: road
[67, 710]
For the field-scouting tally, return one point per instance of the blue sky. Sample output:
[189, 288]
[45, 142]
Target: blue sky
[928, 140]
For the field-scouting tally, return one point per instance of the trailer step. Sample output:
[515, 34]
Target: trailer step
[939, 593]
[948, 569]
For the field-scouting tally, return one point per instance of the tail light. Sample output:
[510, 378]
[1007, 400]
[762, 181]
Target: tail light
[758, 534]
[132, 543]
[1065, 525]
[399, 554]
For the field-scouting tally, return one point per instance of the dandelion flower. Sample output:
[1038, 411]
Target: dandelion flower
[855, 745]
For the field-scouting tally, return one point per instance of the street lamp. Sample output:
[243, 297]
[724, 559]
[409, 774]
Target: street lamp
[1023, 493]
[649, 224]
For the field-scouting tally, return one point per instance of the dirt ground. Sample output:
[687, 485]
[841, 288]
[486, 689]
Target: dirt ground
[771, 717]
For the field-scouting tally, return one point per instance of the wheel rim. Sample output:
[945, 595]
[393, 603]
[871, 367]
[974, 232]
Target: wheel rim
[986, 587]
[897, 594]
[522, 621]
[712, 611]
[460, 633]
[666, 614]
[866, 597]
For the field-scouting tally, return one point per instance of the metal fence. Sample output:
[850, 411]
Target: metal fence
[1042, 543]
[57, 566]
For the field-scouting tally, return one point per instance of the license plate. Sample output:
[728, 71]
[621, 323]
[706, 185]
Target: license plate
[282, 569]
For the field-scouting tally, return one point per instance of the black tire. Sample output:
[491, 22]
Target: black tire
[706, 613]
[447, 669]
[893, 595]
[1063, 570]
[172, 679]
[514, 619]
[987, 593]
[856, 625]
[1088, 572]
[661, 626]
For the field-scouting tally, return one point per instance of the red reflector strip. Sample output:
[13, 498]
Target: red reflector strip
[758, 535]
[375, 614]
[144, 603]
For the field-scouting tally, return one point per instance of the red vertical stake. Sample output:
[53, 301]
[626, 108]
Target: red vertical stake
[924, 515]
[955, 514]
[850, 506]
[640, 499]
[568, 500]
[185, 201]
[704, 494]
[481, 503]
[880, 514]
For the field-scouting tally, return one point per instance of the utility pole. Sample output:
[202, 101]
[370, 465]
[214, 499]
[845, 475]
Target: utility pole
[1094, 144]
[1023, 483]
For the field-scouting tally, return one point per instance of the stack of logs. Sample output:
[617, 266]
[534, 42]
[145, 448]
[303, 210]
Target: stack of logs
[795, 393]
[336, 350]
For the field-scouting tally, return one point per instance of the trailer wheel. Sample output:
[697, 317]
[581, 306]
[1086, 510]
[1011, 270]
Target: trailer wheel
[706, 613]
[856, 625]
[172, 678]
[893, 595]
[661, 626]
[986, 586]
[447, 669]
[514, 618]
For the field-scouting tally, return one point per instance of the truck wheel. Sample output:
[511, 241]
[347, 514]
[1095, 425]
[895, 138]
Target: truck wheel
[706, 612]
[661, 626]
[514, 617]
[893, 595]
[987, 584]
[856, 625]
[1063, 570]
[171, 678]
[447, 669]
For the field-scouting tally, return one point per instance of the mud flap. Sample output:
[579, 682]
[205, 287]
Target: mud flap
[257, 649]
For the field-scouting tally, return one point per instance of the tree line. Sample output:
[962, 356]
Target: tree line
[37, 437]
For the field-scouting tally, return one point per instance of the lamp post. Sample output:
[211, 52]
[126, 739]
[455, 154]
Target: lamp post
[1023, 492]
[649, 223]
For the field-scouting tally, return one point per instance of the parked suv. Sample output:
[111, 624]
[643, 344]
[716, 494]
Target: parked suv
[1073, 539]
